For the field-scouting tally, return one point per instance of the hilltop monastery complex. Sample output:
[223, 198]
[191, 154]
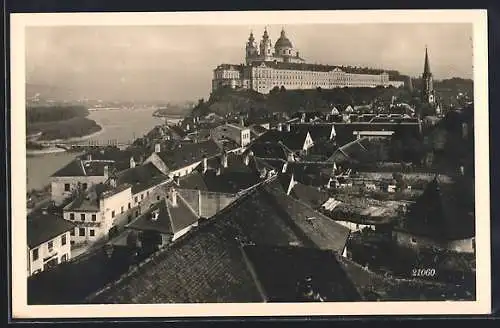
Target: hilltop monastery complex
[268, 67]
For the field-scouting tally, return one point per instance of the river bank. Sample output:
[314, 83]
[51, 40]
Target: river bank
[76, 139]
[45, 151]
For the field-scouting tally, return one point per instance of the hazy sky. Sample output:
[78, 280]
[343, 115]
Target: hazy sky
[175, 63]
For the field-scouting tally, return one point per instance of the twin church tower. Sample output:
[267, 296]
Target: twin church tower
[282, 51]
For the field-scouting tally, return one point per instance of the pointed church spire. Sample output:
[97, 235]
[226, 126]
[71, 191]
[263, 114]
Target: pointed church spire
[427, 70]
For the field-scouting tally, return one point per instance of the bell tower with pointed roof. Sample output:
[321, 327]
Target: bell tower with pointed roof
[251, 48]
[266, 47]
[428, 95]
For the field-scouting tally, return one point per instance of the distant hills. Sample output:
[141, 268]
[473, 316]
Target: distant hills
[44, 91]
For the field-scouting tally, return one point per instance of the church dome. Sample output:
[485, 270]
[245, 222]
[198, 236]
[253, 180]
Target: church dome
[283, 41]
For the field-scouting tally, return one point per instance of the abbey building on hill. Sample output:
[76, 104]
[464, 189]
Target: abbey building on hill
[268, 67]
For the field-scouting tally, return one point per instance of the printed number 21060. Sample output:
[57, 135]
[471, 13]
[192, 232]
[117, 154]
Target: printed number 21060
[423, 272]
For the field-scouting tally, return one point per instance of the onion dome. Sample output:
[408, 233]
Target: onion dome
[283, 41]
[265, 36]
[251, 39]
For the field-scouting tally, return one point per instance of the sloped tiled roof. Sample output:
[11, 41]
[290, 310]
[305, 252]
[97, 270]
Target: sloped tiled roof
[89, 200]
[72, 169]
[142, 177]
[268, 150]
[188, 153]
[318, 132]
[280, 270]
[208, 265]
[193, 180]
[171, 219]
[319, 229]
[294, 140]
[44, 227]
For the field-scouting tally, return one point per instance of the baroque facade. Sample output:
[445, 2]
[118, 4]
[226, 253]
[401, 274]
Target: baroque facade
[267, 67]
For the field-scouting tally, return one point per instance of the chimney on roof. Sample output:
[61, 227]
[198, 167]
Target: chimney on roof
[247, 159]
[242, 121]
[291, 185]
[205, 164]
[157, 148]
[106, 171]
[224, 159]
[306, 291]
[112, 182]
[89, 157]
[154, 215]
[132, 162]
[285, 166]
[303, 118]
[173, 197]
[288, 127]
[279, 127]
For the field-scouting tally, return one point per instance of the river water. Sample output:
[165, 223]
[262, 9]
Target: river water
[119, 125]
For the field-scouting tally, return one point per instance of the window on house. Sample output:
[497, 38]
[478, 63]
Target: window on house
[72, 232]
[35, 254]
[63, 240]
[71, 216]
[94, 217]
[91, 232]
[122, 209]
[135, 199]
[50, 246]
[67, 187]
[84, 186]
[142, 196]
[113, 214]
[129, 206]
[147, 193]
[82, 217]
[72, 242]
[81, 231]
[413, 240]
[158, 197]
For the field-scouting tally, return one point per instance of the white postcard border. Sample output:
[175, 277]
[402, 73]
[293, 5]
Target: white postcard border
[20, 309]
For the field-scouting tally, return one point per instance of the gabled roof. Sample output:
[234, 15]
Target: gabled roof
[268, 150]
[170, 220]
[440, 213]
[235, 177]
[44, 227]
[294, 140]
[194, 180]
[188, 153]
[309, 195]
[320, 230]
[121, 158]
[89, 200]
[318, 132]
[72, 169]
[141, 177]
[177, 130]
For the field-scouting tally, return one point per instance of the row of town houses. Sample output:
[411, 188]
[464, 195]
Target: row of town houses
[176, 177]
